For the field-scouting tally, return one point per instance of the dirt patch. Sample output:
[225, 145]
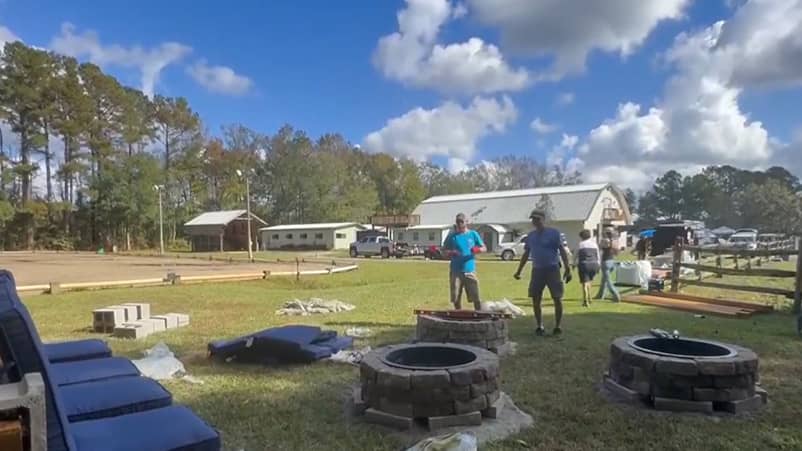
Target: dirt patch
[67, 267]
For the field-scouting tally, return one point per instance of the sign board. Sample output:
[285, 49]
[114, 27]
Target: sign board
[395, 220]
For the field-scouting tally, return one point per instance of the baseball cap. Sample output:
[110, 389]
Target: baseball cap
[537, 212]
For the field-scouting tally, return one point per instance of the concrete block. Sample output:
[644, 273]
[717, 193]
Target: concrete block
[182, 319]
[395, 408]
[156, 325]
[142, 309]
[106, 319]
[762, 393]
[619, 390]
[466, 419]
[387, 419]
[474, 405]
[681, 405]
[134, 329]
[494, 409]
[360, 406]
[170, 322]
[130, 312]
[55, 288]
[744, 405]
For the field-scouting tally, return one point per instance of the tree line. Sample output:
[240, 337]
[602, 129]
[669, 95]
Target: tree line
[726, 196]
[85, 154]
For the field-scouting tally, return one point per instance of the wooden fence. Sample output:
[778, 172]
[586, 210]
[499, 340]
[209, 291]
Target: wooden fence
[747, 263]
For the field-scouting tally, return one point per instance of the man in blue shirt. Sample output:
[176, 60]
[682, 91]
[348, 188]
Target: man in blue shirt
[545, 248]
[461, 246]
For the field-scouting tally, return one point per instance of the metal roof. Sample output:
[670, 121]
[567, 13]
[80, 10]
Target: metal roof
[570, 203]
[430, 227]
[319, 226]
[215, 218]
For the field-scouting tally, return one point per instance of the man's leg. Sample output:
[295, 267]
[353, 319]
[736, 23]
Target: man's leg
[455, 286]
[556, 289]
[610, 284]
[603, 287]
[536, 286]
[471, 284]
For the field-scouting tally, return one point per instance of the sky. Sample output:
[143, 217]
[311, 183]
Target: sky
[621, 90]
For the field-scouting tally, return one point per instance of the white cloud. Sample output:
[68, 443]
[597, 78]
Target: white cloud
[413, 57]
[150, 62]
[543, 128]
[699, 121]
[6, 35]
[568, 30]
[566, 98]
[560, 155]
[449, 130]
[219, 79]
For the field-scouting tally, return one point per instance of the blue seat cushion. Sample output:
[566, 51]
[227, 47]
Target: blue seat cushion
[68, 351]
[67, 373]
[173, 428]
[287, 344]
[112, 397]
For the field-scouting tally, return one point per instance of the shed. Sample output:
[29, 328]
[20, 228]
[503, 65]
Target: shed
[321, 236]
[225, 230]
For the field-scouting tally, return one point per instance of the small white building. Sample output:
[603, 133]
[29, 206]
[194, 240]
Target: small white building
[423, 235]
[503, 216]
[323, 236]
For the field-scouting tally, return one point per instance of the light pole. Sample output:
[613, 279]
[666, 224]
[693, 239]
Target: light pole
[159, 189]
[248, 210]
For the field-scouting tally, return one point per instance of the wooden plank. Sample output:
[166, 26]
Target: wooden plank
[741, 252]
[727, 302]
[675, 266]
[724, 286]
[798, 285]
[740, 272]
[687, 306]
[462, 314]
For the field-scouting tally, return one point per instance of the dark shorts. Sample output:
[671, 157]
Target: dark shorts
[546, 277]
[587, 271]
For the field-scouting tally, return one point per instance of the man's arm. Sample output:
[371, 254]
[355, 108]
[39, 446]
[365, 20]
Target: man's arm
[522, 263]
[564, 257]
[480, 245]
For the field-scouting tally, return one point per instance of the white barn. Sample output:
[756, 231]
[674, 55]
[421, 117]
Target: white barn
[324, 236]
[502, 216]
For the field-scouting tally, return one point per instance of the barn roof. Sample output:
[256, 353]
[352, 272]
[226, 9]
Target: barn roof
[318, 226]
[219, 218]
[570, 203]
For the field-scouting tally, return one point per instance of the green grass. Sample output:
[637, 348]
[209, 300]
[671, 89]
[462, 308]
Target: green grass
[556, 380]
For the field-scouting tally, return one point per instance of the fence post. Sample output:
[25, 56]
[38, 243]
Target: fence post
[675, 267]
[297, 269]
[718, 265]
[798, 286]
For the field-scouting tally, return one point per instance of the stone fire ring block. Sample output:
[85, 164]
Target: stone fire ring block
[445, 396]
[491, 334]
[699, 384]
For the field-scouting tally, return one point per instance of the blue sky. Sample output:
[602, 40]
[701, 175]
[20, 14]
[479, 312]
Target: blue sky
[313, 64]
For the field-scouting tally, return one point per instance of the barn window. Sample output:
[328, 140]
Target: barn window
[303, 236]
[415, 236]
[431, 236]
[400, 235]
[288, 236]
[275, 236]
[318, 236]
[340, 236]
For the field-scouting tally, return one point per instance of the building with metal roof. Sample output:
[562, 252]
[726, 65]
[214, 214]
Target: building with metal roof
[322, 236]
[502, 216]
[225, 230]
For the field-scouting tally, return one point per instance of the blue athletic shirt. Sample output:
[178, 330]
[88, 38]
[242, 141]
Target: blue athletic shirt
[544, 247]
[463, 242]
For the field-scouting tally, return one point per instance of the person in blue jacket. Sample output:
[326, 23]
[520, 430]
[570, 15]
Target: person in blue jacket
[461, 246]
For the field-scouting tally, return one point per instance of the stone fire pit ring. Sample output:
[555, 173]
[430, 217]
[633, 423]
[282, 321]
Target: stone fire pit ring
[684, 374]
[444, 384]
[488, 333]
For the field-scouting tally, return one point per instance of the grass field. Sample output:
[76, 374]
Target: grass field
[554, 379]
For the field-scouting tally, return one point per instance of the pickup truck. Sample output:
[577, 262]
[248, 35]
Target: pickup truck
[514, 249]
[380, 245]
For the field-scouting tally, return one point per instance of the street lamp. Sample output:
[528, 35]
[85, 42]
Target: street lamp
[248, 210]
[159, 189]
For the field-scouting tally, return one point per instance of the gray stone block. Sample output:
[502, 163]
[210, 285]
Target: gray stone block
[716, 368]
[387, 419]
[170, 321]
[681, 405]
[133, 330]
[426, 380]
[142, 309]
[680, 367]
[466, 419]
[393, 378]
[762, 393]
[360, 406]
[619, 390]
[719, 395]
[474, 405]
[106, 319]
[460, 376]
[395, 408]
[494, 408]
[130, 312]
[181, 318]
[156, 324]
[744, 405]
[433, 409]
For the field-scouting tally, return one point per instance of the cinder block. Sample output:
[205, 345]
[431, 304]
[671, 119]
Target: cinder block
[466, 419]
[156, 325]
[744, 405]
[106, 319]
[142, 309]
[181, 318]
[386, 419]
[170, 322]
[494, 409]
[681, 405]
[619, 390]
[130, 312]
[135, 330]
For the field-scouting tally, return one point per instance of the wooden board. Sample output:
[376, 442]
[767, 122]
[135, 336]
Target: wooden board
[758, 308]
[10, 435]
[688, 306]
[462, 314]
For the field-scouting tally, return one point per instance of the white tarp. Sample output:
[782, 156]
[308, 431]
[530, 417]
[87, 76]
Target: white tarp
[635, 274]
[160, 363]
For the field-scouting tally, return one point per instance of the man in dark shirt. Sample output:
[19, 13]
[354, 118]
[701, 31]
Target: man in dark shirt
[545, 248]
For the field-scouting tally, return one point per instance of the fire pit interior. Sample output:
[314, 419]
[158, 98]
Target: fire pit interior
[482, 329]
[683, 374]
[437, 384]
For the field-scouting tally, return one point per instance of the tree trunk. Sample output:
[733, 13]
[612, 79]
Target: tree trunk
[47, 167]
[26, 189]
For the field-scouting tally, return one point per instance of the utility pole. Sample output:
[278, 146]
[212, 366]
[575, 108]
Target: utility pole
[248, 210]
[159, 189]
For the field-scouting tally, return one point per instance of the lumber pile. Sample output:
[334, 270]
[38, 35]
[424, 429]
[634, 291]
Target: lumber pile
[698, 304]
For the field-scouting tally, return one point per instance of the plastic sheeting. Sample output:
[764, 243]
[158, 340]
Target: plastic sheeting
[160, 363]
[459, 441]
[502, 306]
[635, 274]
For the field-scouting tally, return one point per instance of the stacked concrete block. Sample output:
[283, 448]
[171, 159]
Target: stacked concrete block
[490, 334]
[106, 319]
[131, 313]
[168, 321]
[135, 329]
[133, 320]
[142, 309]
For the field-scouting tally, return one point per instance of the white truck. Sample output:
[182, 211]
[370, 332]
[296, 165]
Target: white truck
[370, 246]
[514, 249]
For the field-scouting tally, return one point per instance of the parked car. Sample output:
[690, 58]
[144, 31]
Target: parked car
[370, 246]
[514, 249]
[743, 240]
